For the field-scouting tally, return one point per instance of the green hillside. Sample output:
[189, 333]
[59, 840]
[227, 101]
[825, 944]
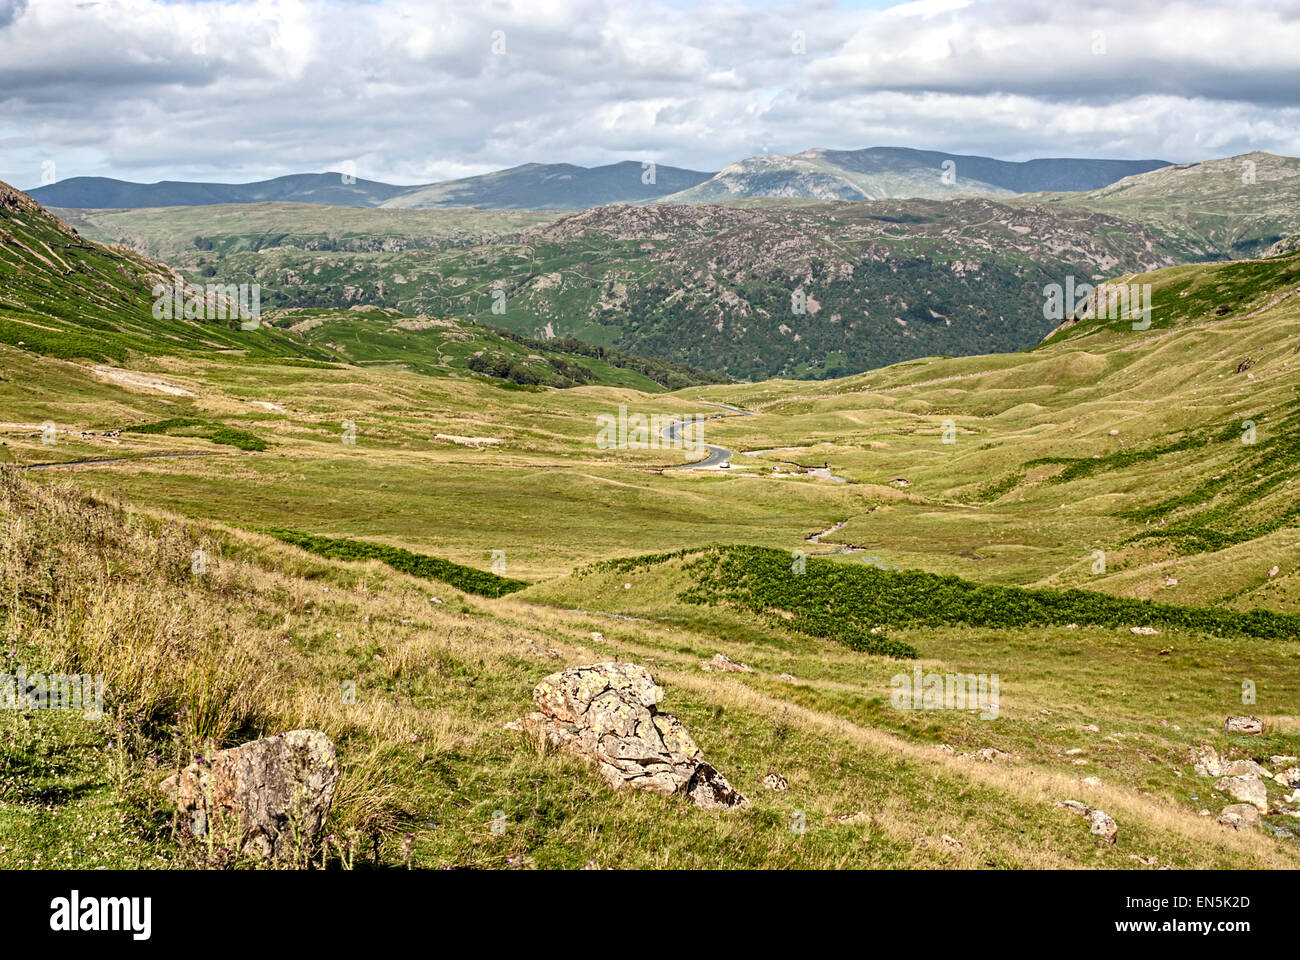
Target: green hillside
[1220, 209]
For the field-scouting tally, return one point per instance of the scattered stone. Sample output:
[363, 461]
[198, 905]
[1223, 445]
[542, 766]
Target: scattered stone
[1206, 762]
[1073, 752]
[725, 664]
[1250, 725]
[948, 841]
[1245, 364]
[901, 482]
[1150, 861]
[1092, 781]
[597, 636]
[787, 678]
[1278, 760]
[988, 755]
[1239, 816]
[1246, 790]
[1099, 822]
[1288, 778]
[1171, 581]
[1166, 651]
[1114, 433]
[1091, 728]
[943, 748]
[267, 798]
[856, 817]
[774, 781]
[1273, 572]
[606, 713]
[1144, 631]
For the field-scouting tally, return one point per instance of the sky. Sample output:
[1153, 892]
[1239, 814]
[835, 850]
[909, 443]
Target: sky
[416, 92]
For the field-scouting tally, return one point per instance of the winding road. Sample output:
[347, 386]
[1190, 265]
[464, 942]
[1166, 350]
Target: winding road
[717, 456]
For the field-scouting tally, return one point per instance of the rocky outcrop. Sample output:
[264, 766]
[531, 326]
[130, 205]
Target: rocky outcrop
[1249, 725]
[1099, 822]
[265, 798]
[606, 712]
[1206, 762]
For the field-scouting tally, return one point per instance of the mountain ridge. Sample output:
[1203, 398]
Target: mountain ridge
[819, 173]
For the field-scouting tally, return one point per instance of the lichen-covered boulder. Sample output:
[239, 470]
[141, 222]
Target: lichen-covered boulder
[268, 798]
[606, 712]
[1245, 790]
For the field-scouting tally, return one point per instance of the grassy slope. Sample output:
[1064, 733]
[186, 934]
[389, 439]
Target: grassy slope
[427, 765]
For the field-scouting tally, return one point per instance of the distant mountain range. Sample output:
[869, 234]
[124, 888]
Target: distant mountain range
[880, 173]
[106, 193]
[871, 174]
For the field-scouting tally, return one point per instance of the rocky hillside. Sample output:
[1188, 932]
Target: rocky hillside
[812, 290]
[1220, 209]
[764, 288]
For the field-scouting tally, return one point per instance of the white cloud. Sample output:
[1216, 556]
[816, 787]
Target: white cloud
[413, 92]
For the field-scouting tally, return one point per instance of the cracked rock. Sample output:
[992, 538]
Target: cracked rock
[606, 713]
[271, 797]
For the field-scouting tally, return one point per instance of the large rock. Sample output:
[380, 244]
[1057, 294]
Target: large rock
[1246, 790]
[1243, 725]
[265, 798]
[1239, 816]
[607, 713]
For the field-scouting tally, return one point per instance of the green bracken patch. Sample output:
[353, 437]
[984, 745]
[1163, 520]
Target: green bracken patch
[845, 602]
[461, 577]
[216, 432]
